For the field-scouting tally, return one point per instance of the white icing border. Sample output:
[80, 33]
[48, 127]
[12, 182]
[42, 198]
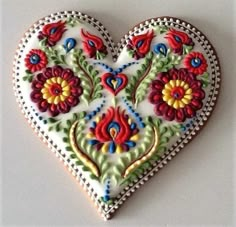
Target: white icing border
[105, 210]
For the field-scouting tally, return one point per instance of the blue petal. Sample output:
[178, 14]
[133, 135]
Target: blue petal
[133, 126]
[69, 44]
[112, 147]
[130, 143]
[160, 48]
[93, 142]
[106, 198]
[93, 124]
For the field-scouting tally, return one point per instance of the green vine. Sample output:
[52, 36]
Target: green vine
[57, 124]
[136, 80]
[72, 22]
[28, 77]
[52, 54]
[205, 79]
[88, 75]
[160, 29]
[165, 132]
[99, 158]
[136, 90]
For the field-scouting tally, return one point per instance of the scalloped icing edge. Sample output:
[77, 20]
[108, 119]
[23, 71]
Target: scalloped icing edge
[107, 211]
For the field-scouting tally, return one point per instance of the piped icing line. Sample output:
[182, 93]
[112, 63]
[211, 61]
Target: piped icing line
[134, 113]
[81, 155]
[123, 67]
[93, 113]
[88, 76]
[105, 66]
[151, 150]
[201, 119]
[116, 71]
[144, 75]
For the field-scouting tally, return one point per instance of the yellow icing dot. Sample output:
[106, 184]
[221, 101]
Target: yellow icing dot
[119, 149]
[89, 135]
[177, 82]
[105, 148]
[172, 83]
[59, 80]
[176, 104]
[135, 137]
[188, 92]
[168, 87]
[170, 101]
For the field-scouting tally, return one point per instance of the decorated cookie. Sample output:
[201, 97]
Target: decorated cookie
[115, 114]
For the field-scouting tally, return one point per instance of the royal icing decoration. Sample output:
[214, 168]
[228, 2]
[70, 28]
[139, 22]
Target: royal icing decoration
[115, 114]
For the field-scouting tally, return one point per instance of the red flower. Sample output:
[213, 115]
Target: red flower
[36, 60]
[176, 94]
[52, 32]
[139, 46]
[93, 45]
[177, 39]
[56, 90]
[113, 132]
[195, 63]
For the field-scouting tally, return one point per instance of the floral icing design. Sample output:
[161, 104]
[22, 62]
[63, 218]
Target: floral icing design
[56, 90]
[113, 132]
[196, 63]
[35, 60]
[176, 94]
[93, 45]
[52, 33]
[139, 45]
[177, 40]
[69, 44]
[116, 144]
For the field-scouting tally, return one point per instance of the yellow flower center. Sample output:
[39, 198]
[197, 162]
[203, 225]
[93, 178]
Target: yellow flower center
[177, 94]
[55, 90]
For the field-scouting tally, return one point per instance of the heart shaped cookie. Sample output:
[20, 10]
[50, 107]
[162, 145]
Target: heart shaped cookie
[115, 114]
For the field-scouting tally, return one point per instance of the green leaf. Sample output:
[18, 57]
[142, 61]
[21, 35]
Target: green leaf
[68, 149]
[52, 120]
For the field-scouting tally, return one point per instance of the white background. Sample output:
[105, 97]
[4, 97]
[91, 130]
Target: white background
[196, 188]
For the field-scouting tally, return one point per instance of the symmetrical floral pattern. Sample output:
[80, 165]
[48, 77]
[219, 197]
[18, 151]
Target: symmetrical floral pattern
[35, 60]
[139, 45]
[166, 71]
[52, 33]
[176, 94]
[93, 45]
[176, 40]
[56, 90]
[195, 63]
[113, 132]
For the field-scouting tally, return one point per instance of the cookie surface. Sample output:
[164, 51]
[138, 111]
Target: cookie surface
[115, 114]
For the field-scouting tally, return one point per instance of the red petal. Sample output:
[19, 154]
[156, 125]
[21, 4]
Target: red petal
[197, 104]
[36, 96]
[160, 108]
[43, 105]
[37, 85]
[169, 114]
[155, 97]
[164, 77]
[63, 107]
[57, 70]
[67, 74]
[74, 81]
[189, 111]
[199, 94]
[157, 85]
[53, 110]
[72, 101]
[95, 39]
[180, 115]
